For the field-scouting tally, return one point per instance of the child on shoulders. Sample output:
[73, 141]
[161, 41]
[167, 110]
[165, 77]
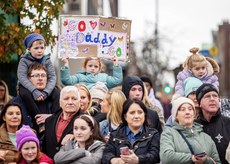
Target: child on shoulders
[92, 73]
[198, 66]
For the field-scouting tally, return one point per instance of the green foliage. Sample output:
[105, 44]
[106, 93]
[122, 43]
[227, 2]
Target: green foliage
[41, 14]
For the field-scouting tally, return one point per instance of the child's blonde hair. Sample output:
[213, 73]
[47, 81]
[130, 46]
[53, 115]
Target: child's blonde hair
[193, 58]
[101, 65]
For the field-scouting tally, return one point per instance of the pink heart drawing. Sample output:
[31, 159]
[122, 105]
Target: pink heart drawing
[93, 24]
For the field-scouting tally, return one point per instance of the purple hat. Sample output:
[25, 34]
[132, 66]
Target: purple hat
[29, 39]
[25, 134]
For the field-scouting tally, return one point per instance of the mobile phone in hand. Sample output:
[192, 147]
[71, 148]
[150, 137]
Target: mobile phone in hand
[124, 150]
[202, 154]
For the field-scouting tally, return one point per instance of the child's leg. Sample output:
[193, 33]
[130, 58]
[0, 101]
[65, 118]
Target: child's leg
[30, 103]
[54, 96]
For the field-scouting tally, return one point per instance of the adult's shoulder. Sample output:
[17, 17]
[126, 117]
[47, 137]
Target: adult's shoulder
[97, 144]
[153, 112]
[225, 119]
[151, 130]
[120, 130]
[54, 115]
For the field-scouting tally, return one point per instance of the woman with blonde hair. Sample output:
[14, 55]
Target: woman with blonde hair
[5, 97]
[86, 100]
[112, 105]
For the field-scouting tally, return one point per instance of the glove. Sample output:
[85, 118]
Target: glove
[45, 95]
[36, 93]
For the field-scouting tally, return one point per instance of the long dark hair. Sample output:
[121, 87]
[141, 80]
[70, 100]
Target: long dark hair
[4, 110]
[96, 135]
[126, 107]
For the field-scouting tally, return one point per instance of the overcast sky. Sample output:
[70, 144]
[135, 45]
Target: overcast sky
[182, 23]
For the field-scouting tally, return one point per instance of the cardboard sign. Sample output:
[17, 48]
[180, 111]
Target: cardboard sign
[93, 36]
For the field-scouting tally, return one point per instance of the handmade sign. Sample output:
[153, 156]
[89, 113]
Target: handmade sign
[93, 36]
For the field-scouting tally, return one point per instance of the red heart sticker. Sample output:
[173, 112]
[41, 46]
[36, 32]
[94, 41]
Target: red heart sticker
[93, 24]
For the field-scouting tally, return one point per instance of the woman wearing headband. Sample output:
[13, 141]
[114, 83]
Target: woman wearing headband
[87, 145]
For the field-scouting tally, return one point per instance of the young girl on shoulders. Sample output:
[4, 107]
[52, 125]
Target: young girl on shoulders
[91, 73]
[198, 66]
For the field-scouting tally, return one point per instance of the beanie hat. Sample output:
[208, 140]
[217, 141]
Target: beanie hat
[191, 84]
[130, 81]
[177, 102]
[25, 134]
[203, 89]
[147, 80]
[98, 91]
[29, 39]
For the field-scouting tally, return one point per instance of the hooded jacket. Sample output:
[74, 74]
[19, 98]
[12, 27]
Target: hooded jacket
[26, 60]
[153, 117]
[174, 149]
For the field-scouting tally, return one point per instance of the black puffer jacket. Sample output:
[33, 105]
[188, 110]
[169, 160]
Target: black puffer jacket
[146, 147]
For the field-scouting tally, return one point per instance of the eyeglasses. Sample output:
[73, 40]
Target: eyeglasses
[43, 75]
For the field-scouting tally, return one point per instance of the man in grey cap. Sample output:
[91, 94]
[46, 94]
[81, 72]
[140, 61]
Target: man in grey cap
[214, 124]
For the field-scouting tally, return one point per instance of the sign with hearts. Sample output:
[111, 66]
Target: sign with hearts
[84, 36]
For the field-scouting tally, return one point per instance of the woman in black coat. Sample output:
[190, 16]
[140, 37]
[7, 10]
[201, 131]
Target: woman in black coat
[133, 141]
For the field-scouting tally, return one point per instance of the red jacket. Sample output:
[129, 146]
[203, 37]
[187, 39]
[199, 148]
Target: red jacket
[44, 158]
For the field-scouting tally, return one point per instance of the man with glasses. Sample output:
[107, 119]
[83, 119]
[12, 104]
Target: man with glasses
[38, 110]
[214, 124]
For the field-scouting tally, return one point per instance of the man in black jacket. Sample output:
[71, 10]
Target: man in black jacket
[133, 88]
[59, 126]
[215, 124]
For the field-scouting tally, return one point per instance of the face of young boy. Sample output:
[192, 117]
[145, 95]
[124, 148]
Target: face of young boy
[37, 49]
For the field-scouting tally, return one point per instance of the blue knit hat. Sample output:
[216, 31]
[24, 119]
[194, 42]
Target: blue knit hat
[191, 84]
[29, 39]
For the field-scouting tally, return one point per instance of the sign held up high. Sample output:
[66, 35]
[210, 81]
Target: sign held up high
[93, 36]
